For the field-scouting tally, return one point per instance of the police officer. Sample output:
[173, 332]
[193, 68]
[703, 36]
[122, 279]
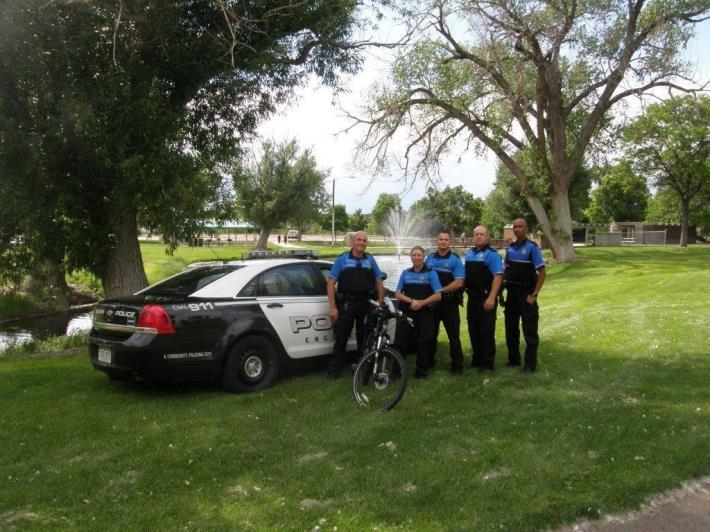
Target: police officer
[449, 268]
[358, 280]
[417, 290]
[524, 277]
[484, 275]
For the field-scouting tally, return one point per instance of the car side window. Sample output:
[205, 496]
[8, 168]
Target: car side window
[249, 289]
[325, 273]
[292, 280]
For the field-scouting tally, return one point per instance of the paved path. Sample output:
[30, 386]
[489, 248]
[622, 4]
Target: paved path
[686, 509]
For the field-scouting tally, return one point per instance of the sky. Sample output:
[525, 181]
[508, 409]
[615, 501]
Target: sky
[316, 118]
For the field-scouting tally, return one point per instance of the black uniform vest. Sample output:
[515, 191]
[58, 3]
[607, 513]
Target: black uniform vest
[445, 278]
[478, 277]
[521, 274]
[357, 281]
[416, 290]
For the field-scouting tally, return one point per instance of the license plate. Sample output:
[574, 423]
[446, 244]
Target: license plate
[105, 355]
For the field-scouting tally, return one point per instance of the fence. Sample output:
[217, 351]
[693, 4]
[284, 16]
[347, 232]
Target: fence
[637, 238]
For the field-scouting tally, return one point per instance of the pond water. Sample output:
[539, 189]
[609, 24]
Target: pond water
[72, 322]
[58, 324]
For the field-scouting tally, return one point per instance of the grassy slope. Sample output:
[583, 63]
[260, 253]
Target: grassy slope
[618, 411]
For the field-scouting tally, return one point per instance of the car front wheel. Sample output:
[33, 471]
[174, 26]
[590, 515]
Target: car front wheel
[252, 365]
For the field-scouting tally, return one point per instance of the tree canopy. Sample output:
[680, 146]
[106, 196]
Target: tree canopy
[529, 77]
[273, 187]
[664, 208]
[120, 112]
[342, 220]
[358, 221]
[621, 195]
[385, 204]
[670, 143]
[451, 208]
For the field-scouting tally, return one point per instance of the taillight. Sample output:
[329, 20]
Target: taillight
[155, 317]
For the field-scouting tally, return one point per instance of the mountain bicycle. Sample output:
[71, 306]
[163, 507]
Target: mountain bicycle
[380, 375]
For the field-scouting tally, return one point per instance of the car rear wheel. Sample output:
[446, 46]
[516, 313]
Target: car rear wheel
[252, 365]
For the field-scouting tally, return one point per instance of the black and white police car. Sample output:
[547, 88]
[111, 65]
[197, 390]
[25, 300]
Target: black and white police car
[235, 322]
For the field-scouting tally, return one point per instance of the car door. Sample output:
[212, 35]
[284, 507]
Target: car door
[293, 299]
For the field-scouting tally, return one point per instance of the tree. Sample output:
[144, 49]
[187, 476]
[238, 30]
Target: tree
[385, 204]
[451, 208]
[530, 77]
[621, 196]
[358, 221]
[507, 202]
[663, 208]
[671, 144]
[342, 220]
[124, 110]
[271, 190]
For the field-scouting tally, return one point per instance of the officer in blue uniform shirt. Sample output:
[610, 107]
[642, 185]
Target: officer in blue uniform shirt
[358, 279]
[523, 280]
[417, 290]
[449, 268]
[484, 275]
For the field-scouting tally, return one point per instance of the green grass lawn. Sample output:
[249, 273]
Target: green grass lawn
[618, 411]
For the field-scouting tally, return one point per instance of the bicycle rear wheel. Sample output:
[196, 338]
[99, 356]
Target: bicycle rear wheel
[380, 379]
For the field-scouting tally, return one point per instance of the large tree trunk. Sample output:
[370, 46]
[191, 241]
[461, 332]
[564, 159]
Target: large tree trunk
[684, 216]
[47, 281]
[263, 239]
[557, 230]
[123, 273]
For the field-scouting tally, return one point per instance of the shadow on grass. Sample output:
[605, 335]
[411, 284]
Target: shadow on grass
[589, 433]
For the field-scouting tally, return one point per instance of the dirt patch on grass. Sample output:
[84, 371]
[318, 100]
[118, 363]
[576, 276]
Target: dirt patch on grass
[12, 519]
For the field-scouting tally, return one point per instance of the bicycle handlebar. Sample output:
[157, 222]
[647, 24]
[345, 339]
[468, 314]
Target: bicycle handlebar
[397, 313]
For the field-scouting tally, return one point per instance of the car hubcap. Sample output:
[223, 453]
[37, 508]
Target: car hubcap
[253, 366]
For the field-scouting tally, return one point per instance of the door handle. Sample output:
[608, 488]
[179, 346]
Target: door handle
[274, 305]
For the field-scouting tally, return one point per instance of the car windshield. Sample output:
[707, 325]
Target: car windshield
[190, 281]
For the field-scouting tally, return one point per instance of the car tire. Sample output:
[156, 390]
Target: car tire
[252, 365]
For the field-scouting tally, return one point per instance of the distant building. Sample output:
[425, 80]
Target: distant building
[631, 233]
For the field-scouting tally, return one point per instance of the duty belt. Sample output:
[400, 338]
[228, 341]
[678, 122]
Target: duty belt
[346, 297]
[477, 292]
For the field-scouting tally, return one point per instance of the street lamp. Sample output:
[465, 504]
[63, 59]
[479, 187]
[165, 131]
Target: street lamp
[332, 218]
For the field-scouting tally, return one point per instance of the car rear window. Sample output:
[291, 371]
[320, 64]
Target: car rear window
[190, 281]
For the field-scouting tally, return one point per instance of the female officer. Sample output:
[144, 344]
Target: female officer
[417, 290]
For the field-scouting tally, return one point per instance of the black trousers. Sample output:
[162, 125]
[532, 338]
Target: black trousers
[517, 309]
[447, 312]
[422, 333]
[349, 314]
[482, 331]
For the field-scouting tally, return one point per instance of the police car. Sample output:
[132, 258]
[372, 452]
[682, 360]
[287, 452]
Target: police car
[234, 322]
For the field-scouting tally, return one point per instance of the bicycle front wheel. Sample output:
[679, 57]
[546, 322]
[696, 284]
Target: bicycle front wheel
[380, 379]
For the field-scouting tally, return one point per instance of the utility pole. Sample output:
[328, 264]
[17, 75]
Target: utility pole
[332, 218]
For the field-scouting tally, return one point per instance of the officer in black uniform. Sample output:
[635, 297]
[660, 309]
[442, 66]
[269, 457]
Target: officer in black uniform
[484, 275]
[523, 280]
[358, 279]
[417, 290]
[448, 266]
